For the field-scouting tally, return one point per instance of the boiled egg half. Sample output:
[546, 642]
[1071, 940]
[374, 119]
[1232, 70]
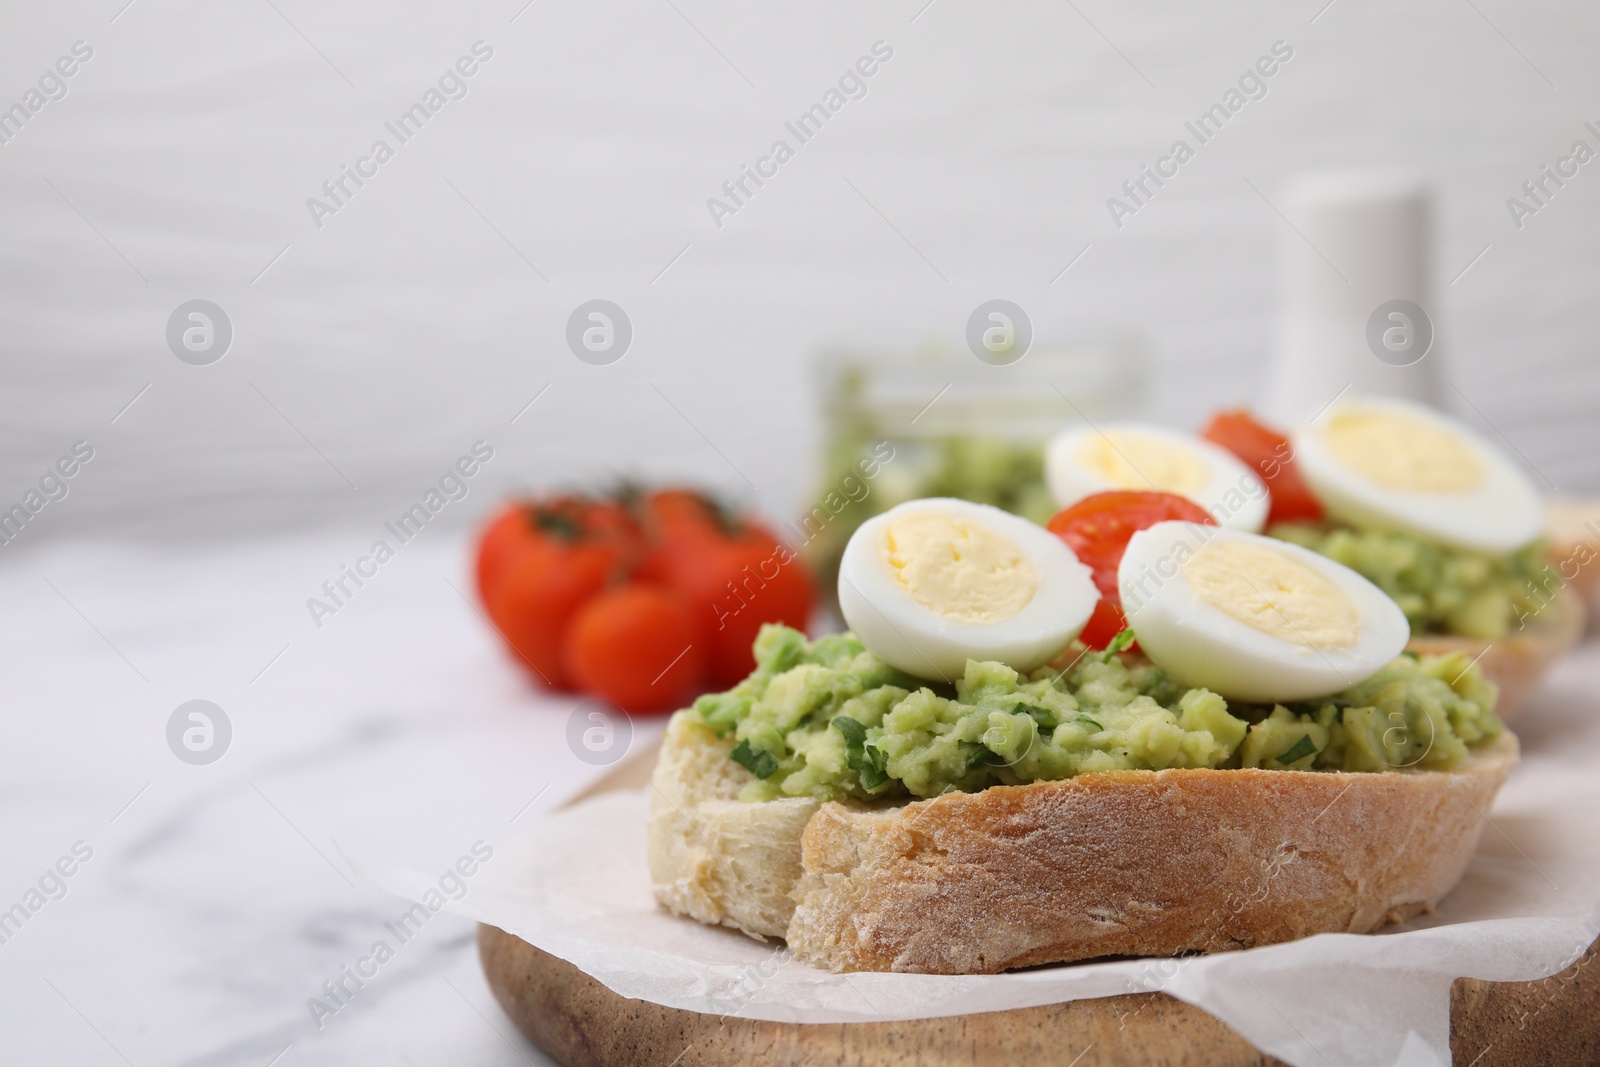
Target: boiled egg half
[1253, 618]
[1133, 455]
[931, 583]
[1397, 465]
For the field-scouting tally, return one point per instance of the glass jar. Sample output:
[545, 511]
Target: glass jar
[899, 427]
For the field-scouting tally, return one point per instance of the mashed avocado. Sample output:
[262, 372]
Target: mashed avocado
[1441, 590]
[829, 719]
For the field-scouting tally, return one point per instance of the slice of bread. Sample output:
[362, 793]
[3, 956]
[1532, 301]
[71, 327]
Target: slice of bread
[1572, 529]
[1517, 662]
[1148, 863]
[712, 856]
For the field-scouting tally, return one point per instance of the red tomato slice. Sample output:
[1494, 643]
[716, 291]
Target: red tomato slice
[1097, 529]
[1267, 452]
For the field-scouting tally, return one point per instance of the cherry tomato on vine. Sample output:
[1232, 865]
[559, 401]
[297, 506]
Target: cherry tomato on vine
[638, 646]
[539, 562]
[735, 574]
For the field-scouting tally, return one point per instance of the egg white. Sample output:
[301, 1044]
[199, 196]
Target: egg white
[1201, 645]
[925, 644]
[1501, 515]
[1232, 493]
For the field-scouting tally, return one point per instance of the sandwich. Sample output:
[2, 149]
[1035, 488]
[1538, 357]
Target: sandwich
[1417, 502]
[960, 785]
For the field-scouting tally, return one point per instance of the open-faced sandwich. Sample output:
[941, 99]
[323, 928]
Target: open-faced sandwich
[958, 786]
[1572, 526]
[1415, 501]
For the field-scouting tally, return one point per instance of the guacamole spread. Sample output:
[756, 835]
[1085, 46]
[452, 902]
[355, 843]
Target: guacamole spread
[829, 719]
[1441, 590]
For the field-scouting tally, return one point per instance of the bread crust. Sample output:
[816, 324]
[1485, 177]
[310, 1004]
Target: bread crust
[1149, 863]
[1137, 863]
[1574, 540]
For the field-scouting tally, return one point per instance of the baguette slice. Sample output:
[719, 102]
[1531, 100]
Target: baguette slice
[1147, 863]
[712, 856]
[1572, 529]
[1517, 662]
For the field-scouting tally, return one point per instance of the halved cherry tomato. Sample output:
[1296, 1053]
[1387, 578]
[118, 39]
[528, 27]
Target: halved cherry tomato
[1097, 529]
[1268, 453]
[638, 646]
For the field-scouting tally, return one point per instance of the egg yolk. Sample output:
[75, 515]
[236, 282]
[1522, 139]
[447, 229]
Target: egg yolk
[1134, 461]
[958, 569]
[1274, 593]
[1402, 453]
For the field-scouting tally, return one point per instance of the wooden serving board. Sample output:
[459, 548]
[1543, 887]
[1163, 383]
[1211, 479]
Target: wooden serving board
[581, 1023]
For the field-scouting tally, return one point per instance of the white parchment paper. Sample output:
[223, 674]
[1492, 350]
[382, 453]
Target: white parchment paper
[576, 886]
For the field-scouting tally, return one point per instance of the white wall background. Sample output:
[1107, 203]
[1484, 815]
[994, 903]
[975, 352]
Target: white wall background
[406, 327]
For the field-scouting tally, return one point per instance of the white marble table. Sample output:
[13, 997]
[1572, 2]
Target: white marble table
[216, 901]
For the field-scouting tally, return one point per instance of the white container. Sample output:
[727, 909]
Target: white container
[1358, 311]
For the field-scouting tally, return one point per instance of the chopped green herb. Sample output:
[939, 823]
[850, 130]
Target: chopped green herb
[873, 767]
[870, 762]
[854, 733]
[1091, 722]
[985, 758]
[1118, 643]
[762, 764]
[1312, 708]
[1298, 751]
[1046, 718]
